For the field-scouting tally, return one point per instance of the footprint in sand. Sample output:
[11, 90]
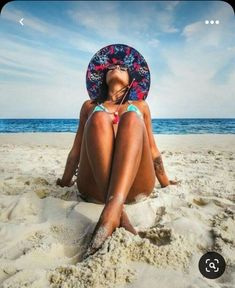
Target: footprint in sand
[21, 209]
[159, 213]
[223, 226]
[200, 201]
[223, 231]
[40, 181]
[223, 203]
[23, 247]
[42, 193]
[24, 278]
[157, 235]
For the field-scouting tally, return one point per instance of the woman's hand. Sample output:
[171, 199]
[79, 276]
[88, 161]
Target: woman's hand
[61, 184]
[170, 182]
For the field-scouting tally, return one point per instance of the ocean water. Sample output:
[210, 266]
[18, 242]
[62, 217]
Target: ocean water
[160, 126]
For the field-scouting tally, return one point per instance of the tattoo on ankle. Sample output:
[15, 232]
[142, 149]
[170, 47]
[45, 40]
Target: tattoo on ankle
[158, 165]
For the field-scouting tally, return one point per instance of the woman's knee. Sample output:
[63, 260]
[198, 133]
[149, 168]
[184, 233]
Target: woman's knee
[131, 118]
[99, 119]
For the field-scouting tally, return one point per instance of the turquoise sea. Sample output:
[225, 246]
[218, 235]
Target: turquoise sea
[160, 126]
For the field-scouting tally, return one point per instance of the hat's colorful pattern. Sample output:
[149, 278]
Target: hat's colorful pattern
[118, 54]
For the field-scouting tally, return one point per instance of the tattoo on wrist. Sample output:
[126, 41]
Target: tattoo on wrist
[158, 165]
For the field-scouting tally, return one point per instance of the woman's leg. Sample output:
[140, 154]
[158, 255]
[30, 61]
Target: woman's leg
[95, 161]
[96, 156]
[132, 157]
[132, 169]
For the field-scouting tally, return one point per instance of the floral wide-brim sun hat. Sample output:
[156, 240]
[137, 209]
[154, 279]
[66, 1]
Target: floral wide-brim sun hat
[123, 55]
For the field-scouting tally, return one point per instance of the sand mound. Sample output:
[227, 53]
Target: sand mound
[110, 263]
[45, 229]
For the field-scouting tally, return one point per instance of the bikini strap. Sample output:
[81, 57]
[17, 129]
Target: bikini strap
[102, 106]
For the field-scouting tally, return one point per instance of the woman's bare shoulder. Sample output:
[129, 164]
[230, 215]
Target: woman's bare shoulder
[87, 105]
[141, 104]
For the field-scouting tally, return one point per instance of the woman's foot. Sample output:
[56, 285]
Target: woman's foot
[108, 222]
[125, 223]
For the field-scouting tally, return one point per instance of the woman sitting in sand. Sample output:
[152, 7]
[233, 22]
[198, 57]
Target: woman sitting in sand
[117, 156]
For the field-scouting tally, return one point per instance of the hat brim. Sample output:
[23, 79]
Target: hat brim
[118, 54]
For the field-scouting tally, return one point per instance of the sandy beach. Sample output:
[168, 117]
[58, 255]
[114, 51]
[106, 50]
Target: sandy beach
[45, 229]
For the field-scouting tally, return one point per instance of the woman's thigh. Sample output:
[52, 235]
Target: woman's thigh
[145, 178]
[85, 181]
[143, 184]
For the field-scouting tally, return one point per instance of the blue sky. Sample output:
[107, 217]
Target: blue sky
[43, 63]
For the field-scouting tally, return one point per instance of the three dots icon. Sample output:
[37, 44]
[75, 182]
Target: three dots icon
[212, 22]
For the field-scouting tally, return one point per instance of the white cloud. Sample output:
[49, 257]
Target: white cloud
[189, 89]
[153, 43]
[112, 19]
[170, 5]
[33, 27]
[193, 85]
[36, 59]
[164, 18]
[45, 84]
[97, 16]
[212, 34]
[40, 101]
[30, 22]
[50, 82]
[193, 28]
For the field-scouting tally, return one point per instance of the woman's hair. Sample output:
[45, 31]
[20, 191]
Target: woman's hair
[103, 93]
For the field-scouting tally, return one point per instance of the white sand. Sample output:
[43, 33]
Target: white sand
[44, 229]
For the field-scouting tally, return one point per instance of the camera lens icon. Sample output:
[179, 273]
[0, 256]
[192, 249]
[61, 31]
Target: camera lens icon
[212, 265]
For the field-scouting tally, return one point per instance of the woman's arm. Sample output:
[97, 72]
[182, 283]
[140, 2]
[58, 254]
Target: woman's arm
[156, 155]
[74, 154]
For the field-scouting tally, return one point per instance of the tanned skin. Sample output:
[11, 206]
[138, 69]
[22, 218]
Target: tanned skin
[117, 162]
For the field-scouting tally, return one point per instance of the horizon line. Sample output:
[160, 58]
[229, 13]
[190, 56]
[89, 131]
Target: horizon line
[183, 118]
